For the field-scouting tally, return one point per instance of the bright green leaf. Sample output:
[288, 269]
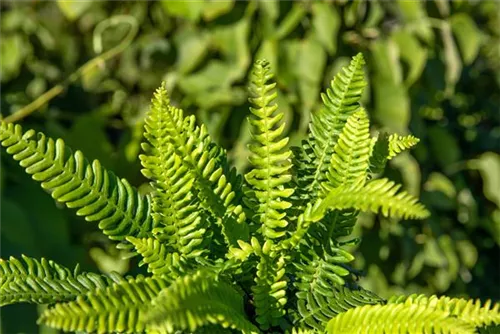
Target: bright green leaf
[190, 10]
[468, 36]
[326, 24]
[73, 9]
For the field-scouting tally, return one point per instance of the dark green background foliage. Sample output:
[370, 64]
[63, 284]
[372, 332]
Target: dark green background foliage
[433, 71]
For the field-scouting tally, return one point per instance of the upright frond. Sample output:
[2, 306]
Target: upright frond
[174, 208]
[96, 193]
[270, 159]
[114, 309]
[202, 158]
[349, 162]
[471, 311]
[44, 281]
[194, 301]
[397, 318]
[340, 102]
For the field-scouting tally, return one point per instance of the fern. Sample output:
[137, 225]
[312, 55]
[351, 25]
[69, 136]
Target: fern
[97, 194]
[396, 318]
[44, 282]
[226, 253]
[470, 311]
[196, 300]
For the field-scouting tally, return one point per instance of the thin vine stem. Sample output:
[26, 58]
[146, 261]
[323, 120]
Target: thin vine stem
[85, 68]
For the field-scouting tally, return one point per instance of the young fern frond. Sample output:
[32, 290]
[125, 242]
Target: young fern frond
[349, 162]
[378, 195]
[398, 144]
[379, 154]
[113, 309]
[471, 311]
[397, 318]
[341, 101]
[44, 282]
[201, 157]
[174, 206]
[96, 193]
[269, 159]
[197, 300]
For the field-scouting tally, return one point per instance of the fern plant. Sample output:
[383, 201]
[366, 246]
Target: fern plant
[260, 253]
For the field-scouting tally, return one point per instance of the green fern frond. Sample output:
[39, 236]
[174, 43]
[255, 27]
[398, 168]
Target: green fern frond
[96, 193]
[201, 157]
[471, 311]
[378, 195]
[113, 309]
[173, 199]
[270, 160]
[349, 162]
[396, 318]
[269, 291]
[317, 305]
[398, 144]
[194, 301]
[44, 282]
[341, 101]
[159, 260]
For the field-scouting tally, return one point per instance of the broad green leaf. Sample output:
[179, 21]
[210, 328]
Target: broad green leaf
[467, 252]
[326, 24]
[73, 9]
[414, 14]
[392, 105]
[412, 53]
[488, 165]
[291, 20]
[216, 74]
[468, 36]
[190, 10]
[215, 8]
[410, 171]
[439, 182]
[192, 46]
[232, 42]
[14, 50]
[451, 59]
[311, 60]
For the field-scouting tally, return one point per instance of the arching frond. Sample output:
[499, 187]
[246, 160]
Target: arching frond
[44, 281]
[270, 159]
[340, 102]
[471, 311]
[194, 301]
[397, 318]
[378, 195]
[202, 157]
[317, 305]
[96, 193]
[349, 163]
[174, 208]
[113, 309]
